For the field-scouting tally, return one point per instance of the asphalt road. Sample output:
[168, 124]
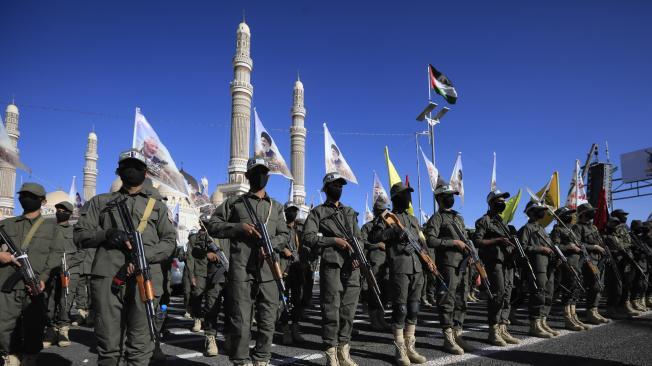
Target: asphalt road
[625, 342]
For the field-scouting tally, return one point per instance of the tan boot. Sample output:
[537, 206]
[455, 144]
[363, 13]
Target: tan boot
[410, 344]
[187, 315]
[547, 328]
[11, 360]
[196, 327]
[261, 363]
[506, 336]
[449, 342]
[495, 336]
[344, 355]
[630, 310]
[50, 337]
[648, 301]
[577, 320]
[569, 322]
[400, 355]
[296, 334]
[331, 357]
[29, 360]
[639, 305]
[536, 330]
[457, 333]
[63, 339]
[211, 346]
[596, 315]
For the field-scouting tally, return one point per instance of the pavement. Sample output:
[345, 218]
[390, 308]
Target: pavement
[624, 342]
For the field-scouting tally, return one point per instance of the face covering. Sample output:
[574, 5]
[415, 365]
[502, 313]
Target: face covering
[63, 216]
[291, 215]
[447, 202]
[333, 192]
[132, 177]
[401, 202]
[499, 206]
[566, 219]
[258, 181]
[29, 203]
[622, 219]
[538, 215]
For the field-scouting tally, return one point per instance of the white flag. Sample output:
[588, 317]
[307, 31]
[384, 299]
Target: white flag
[433, 172]
[291, 194]
[8, 152]
[379, 191]
[424, 216]
[456, 178]
[265, 147]
[335, 161]
[494, 186]
[368, 215]
[72, 193]
[160, 165]
[577, 193]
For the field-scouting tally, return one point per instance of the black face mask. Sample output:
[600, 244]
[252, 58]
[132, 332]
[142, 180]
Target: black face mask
[566, 219]
[63, 216]
[499, 207]
[447, 202]
[291, 215]
[333, 192]
[29, 203]
[258, 181]
[401, 202]
[539, 214]
[132, 177]
[622, 219]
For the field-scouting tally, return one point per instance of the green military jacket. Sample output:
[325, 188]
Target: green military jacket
[189, 260]
[400, 261]
[159, 236]
[489, 227]
[245, 261]
[440, 233]
[534, 238]
[74, 256]
[198, 250]
[619, 241]
[563, 238]
[43, 251]
[589, 236]
[320, 231]
[376, 256]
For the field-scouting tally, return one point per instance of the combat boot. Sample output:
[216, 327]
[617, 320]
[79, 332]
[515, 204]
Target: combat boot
[296, 334]
[64, 340]
[506, 336]
[648, 301]
[211, 346]
[82, 314]
[410, 344]
[536, 330]
[569, 322]
[196, 326]
[400, 355]
[577, 319]
[287, 335]
[449, 342]
[11, 360]
[457, 333]
[495, 336]
[29, 360]
[331, 357]
[630, 310]
[50, 337]
[261, 363]
[639, 305]
[547, 328]
[187, 315]
[344, 355]
[593, 317]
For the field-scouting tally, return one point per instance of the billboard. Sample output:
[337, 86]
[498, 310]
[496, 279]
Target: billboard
[636, 165]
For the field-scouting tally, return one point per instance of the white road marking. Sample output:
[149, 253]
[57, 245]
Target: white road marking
[185, 355]
[293, 359]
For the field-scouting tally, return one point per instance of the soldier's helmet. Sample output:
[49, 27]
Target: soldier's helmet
[533, 206]
[132, 154]
[398, 188]
[497, 194]
[564, 211]
[256, 162]
[584, 208]
[33, 188]
[332, 177]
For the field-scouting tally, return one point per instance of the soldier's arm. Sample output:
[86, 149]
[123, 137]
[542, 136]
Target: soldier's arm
[87, 232]
[220, 227]
[432, 230]
[525, 236]
[167, 238]
[280, 240]
[57, 248]
[375, 233]
[481, 226]
[311, 233]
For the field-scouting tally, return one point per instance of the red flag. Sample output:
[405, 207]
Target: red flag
[602, 214]
[407, 181]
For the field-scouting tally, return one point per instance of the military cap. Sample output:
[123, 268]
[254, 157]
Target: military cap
[33, 188]
[332, 177]
[496, 194]
[445, 188]
[290, 205]
[65, 205]
[254, 162]
[398, 188]
[619, 211]
[584, 208]
[613, 221]
[564, 211]
[533, 205]
[132, 154]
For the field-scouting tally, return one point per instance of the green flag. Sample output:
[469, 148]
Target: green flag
[510, 208]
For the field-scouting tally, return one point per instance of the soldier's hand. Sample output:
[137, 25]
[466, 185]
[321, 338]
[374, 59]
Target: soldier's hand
[575, 248]
[212, 257]
[6, 258]
[342, 244]
[546, 250]
[130, 269]
[599, 249]
[460, 245]
[381, 246]
[41, 287]
[355, 264]
[116, 239]
[250, 230]
[287, 253]
[504, 242]
[193, 282]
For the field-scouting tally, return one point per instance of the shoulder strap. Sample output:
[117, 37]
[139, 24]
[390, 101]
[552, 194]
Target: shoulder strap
[148, 212]
[31, 232]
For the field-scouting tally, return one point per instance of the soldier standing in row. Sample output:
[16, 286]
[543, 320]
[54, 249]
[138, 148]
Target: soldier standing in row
[642, 254]
[121, 316]
[85, 315]
[442, 234]
[376, 253]
[339, 276]
[618, 290]
[250, 279]
[406, 273]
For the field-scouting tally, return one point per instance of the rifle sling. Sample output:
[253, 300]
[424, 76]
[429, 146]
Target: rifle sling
[148, 212]
[31, 232]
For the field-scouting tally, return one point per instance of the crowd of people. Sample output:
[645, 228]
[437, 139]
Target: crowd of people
[391, 262]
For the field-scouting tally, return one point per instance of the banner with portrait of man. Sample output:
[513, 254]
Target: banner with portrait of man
[265, 147]
[335, 161]
[160, 166]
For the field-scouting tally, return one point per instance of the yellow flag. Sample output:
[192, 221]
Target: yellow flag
[510, 208]
[551, 190]
[394, 177]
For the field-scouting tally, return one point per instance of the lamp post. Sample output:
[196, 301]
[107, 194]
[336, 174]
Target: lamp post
[426, 115]
[416, 142]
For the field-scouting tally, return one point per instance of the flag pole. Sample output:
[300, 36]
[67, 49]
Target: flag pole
[133, 140]
[416, 143]
[428, 79]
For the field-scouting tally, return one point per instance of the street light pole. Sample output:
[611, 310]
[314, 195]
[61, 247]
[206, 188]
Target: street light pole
[426, 115]
[416, 142]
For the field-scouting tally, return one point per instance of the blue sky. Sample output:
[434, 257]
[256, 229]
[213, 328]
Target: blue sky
[538, 83]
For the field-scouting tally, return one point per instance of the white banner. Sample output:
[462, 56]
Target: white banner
[636, 165]
[456, 178]
[335, 161]
[433, 172]
[8, 152]
[265, 147]
[379, 191]
[577, 193]
[368, 215]
[160, 165]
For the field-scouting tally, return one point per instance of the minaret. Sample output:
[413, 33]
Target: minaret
[8, 172]
[298, 146]
[90, 167]
[241, 93]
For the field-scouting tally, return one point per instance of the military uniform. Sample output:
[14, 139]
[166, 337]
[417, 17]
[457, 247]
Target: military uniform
[188, 270]
[642, 254]
[94, 230]
[377, 257]
[82, 292]
[618, 293]
[22, 315]
[251, 282]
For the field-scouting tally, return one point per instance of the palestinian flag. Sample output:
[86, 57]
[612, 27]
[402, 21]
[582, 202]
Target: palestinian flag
[442, 85]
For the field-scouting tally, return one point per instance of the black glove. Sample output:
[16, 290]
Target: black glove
[115, 239]
[392, 233]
